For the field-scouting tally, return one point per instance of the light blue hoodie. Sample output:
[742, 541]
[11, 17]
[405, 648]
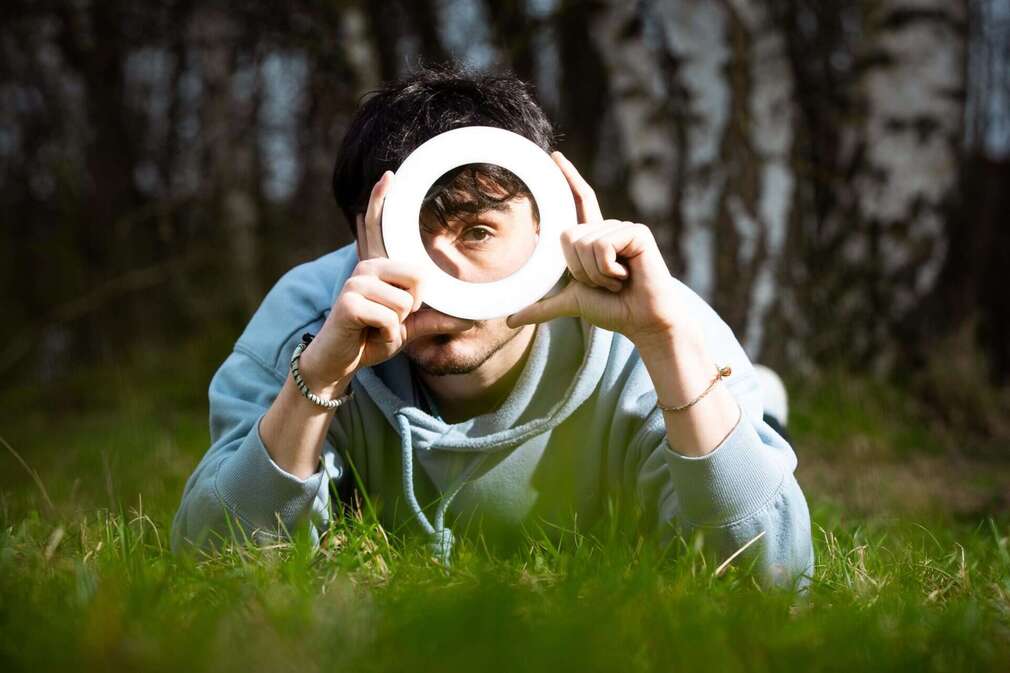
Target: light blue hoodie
[580, 426]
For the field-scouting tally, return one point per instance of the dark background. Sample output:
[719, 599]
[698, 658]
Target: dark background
[832, 176]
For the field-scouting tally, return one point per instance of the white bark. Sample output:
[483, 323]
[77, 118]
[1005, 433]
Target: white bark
[738, 144]
[907, 163]
[772, 115]
[640, 104]
[903, 154]
[695, 31]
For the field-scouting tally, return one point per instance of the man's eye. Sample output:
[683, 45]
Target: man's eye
[478, 234]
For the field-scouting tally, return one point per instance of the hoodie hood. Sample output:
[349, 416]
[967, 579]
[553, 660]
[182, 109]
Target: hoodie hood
[555, 380]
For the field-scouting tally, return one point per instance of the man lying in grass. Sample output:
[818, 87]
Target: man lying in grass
[612, 389]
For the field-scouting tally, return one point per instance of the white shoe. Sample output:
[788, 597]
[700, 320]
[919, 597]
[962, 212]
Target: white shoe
[773, 394]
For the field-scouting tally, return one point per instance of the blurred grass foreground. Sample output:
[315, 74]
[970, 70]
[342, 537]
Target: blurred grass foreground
[910, 530]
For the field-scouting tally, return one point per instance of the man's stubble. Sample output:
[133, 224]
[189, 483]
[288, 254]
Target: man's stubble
[498, 334]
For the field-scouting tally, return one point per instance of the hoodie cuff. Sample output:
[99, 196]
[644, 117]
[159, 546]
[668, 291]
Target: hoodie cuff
[731, 482]
[257, 489]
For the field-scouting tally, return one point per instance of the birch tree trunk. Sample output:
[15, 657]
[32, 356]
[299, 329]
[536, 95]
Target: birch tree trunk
[733, 178]
[902, 151]
[642, 109]
[913, 93]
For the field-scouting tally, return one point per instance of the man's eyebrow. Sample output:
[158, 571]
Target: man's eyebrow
[457, 214]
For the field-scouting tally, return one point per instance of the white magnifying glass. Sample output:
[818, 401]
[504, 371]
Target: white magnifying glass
[487, 145]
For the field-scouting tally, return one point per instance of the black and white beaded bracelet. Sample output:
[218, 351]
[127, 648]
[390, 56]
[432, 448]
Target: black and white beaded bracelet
[297, 376]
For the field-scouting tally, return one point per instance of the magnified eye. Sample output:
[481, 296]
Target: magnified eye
[478, 234]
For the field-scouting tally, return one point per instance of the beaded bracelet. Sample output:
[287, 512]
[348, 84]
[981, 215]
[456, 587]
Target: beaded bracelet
[721, 374]
[297, 375]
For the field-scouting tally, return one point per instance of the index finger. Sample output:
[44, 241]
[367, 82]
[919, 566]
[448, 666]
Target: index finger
[585, 198]
[369, 225]
[404, 275]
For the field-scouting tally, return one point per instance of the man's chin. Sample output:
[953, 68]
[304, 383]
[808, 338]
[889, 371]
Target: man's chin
[439, 365]
[435, 353]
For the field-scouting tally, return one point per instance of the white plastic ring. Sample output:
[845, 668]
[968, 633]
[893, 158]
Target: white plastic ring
[401, 232]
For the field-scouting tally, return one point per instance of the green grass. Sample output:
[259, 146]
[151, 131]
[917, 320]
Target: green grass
[904, 581]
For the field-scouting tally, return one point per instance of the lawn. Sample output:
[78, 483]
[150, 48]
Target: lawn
[913, 566]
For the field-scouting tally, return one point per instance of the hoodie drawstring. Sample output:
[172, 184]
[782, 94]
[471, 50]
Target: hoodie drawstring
[441, 537]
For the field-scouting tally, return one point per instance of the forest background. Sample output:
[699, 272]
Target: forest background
[832, 176]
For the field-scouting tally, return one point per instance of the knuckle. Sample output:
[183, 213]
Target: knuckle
[351, 299]
[353, 284]
[348, 304]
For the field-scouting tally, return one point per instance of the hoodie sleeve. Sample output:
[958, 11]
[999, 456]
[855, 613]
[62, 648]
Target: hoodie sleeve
[237, 490]
[742, 491]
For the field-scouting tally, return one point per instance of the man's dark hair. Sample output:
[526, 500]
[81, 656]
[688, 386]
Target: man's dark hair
[402, 115]
[469, 190]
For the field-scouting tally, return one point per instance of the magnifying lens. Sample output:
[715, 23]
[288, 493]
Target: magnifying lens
[486, 145]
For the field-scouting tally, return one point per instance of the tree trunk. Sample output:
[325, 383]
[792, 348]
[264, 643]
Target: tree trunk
[229, 151]
[735, 182]
[641, 108]
[902, 150]
[330, 100]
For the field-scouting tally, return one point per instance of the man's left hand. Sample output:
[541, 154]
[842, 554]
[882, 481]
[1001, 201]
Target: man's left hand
[622, 283]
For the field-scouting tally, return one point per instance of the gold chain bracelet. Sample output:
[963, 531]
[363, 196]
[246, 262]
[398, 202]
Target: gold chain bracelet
[722, 373]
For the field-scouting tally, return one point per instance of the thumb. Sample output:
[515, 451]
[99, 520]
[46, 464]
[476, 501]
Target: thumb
[423, 323]
[562, 303]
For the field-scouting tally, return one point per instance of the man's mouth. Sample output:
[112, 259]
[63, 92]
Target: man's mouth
[441, 338]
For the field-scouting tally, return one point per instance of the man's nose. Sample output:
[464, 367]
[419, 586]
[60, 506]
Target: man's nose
[445, 257]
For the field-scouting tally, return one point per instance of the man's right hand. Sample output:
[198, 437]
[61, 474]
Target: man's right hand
[378, 312]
